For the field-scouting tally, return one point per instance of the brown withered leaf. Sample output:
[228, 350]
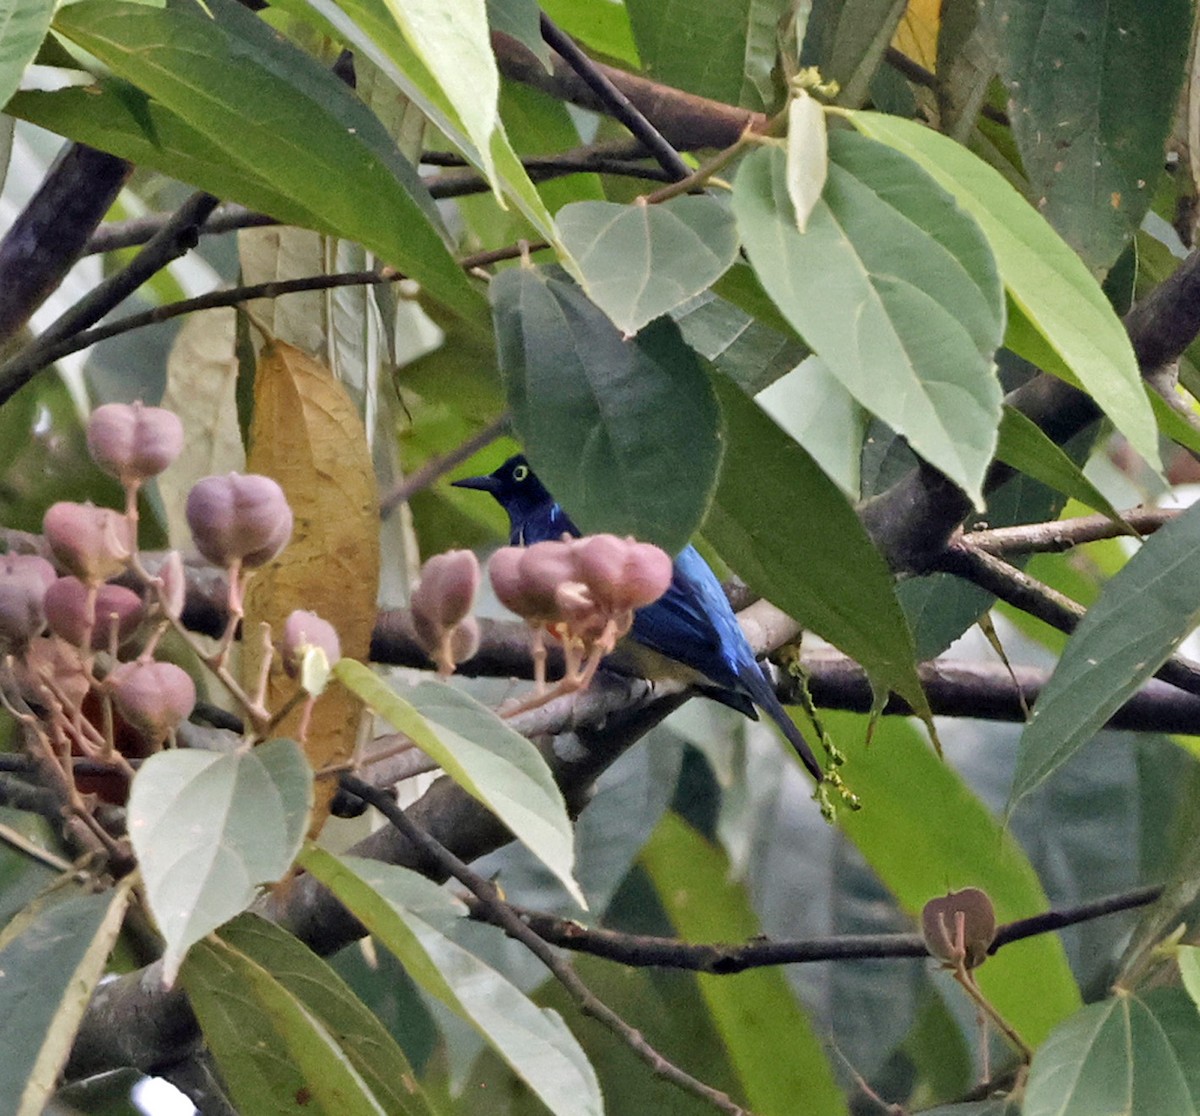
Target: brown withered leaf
[307, 435]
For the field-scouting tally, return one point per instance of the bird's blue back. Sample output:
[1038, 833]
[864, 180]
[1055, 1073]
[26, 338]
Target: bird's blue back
[692, 623]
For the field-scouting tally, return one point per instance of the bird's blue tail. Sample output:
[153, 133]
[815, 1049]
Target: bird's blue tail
[758, 686]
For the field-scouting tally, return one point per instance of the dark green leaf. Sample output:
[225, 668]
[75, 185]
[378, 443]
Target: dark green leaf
[1056, 301]
[602, 27]
[788, 531]
[1092, 146]
[372, 1052]
[847, 39]
[641, 261]
[275, 112]
[705, 48]
[1139, 620]
[274, 1056]
[51, 958]
[1024, 446]
[409, 915]
[519, 18]
[210, 829]
[622, 431]
[894, 288]
[1130, 1054]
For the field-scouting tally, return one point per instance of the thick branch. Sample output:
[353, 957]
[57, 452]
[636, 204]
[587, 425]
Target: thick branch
[50, 233]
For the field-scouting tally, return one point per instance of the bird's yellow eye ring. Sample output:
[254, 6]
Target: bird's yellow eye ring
[520, 472]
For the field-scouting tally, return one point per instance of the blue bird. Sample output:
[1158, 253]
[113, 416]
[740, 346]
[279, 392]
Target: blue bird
[692, 623]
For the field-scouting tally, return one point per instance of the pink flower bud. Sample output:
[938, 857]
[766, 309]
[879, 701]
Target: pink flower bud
[623, 574]
[92, 543]
[464, 640]
[153, 697]
[69, 615]
[527, 580]
[133, 442]
[24, 579]
[238, 516]
[446, 592]
[306, 629]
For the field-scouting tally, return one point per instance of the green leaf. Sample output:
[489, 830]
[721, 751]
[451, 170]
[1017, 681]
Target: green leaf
[375, 1055]
[1024, 446]
[51, 959]
[777, 1055]
[924, 832]
[23, 26]
[274, 1054]
[639, 262]
[1188, 958]
[370, 27]
[451, 40]
[811, 405]
[210, 829]
[275, 112]
[894, 288]
[410, 916]
[813, 560]
[847, 41]
[624, 431]
[519, 18]
[116, 117]
[602, 27]
[1047, 283]
[1141, 617]
[495, 765]
[1093, 152]
[1174, 425]
[701, 47]
[1130, 1054]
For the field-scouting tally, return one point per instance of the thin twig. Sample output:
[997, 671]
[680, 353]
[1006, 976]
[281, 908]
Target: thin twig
[174, 239]
[439, 466]
[1065, 534]
[1037, 599]
[727, 958]
[489, 898]
[618, 104]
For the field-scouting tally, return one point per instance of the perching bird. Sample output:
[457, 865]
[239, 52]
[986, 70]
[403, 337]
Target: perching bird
[692, 623]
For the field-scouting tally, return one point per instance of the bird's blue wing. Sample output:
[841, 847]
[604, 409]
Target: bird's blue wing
[694, 624]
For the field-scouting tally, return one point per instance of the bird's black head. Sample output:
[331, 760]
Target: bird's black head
[515, 487]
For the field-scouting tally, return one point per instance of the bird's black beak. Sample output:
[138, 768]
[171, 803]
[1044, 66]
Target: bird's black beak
[481, 484]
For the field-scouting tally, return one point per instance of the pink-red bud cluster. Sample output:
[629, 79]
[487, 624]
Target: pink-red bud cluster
[441, 608]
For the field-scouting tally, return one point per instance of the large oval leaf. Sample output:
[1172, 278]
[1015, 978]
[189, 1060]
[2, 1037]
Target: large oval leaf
[1142, 616]
[624, 431]
[1046, 281]
[894, 288]
[1130, 1054]
[371, 1050]
[276, 113]
[641, 261]
[273, 1053]
[410, 915]
[1091, 150]
[51, 959]
[815, 561]
[209, 830]
[491, 762]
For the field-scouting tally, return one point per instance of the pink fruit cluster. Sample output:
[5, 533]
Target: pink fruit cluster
[239, 519]
[303, 630]
[581, 590]
[441, 608]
